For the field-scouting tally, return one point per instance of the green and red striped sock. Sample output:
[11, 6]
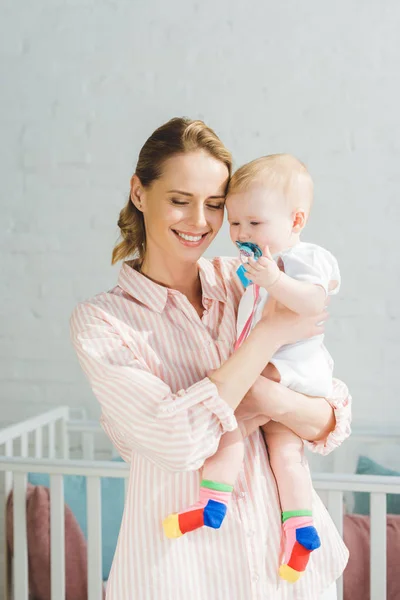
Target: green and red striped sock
[301, 538]
[209, 511]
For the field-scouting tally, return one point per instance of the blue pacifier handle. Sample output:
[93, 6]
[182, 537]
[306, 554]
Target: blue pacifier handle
[247, 250]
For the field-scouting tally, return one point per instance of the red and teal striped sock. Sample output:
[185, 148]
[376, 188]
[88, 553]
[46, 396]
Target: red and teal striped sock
[209, 511]
[301, 538]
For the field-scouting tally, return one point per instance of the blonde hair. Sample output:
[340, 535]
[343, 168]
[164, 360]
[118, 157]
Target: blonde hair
[177, 136]
[283, 172]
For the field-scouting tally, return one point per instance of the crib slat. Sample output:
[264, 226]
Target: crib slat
[95, 584]
[8, 484]
[335, 508]
[378, 545]
[57, 533]
[8, 478]
[20, 539]
[52, 440]
[24, 445]
[88, 445]
[38, 443]
[64, 439]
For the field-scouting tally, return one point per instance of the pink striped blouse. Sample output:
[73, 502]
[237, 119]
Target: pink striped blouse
[146, 353]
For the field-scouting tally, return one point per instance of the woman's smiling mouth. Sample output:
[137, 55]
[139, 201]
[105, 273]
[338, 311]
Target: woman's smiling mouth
[191, 239]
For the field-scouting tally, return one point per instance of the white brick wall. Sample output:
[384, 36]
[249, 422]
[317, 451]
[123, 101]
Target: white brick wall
[85, 82]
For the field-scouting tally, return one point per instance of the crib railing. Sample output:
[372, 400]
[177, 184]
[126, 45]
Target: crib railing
[24, 449]
[41, 445]
[94, 471]
[378, 487]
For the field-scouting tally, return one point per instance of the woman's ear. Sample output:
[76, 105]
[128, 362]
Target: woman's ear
[137, 192]
[299, 220]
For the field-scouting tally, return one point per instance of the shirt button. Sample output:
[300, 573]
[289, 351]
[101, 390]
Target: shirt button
[181, 393]
[242, 495]
[255, 577]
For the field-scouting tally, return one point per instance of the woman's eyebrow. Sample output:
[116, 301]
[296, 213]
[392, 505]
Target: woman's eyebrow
[191, 195]
[180, 192]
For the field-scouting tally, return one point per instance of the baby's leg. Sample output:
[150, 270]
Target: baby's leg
[271, 372]
[286, 454]
[219, 475]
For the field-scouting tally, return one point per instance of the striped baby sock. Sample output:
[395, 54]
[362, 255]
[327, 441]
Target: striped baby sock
[301, 538]
[209, 511]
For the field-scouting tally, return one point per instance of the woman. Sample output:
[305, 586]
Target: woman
[157, 350]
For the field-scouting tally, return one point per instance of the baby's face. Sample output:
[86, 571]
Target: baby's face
[260, 216]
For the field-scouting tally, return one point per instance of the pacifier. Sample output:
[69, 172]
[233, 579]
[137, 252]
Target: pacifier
[247, 250]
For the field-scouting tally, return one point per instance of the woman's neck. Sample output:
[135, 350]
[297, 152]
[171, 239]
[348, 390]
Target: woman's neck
[183, 277]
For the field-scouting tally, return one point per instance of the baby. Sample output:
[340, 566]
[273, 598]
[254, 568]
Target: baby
[269, 202]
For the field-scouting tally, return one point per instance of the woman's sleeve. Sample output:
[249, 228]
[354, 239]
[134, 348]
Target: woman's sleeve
[175, 431]
[340, 400]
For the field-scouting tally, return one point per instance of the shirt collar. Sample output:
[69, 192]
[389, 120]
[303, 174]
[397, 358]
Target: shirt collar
[155, 296]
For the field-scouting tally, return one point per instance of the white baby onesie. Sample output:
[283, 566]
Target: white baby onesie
[306, 366]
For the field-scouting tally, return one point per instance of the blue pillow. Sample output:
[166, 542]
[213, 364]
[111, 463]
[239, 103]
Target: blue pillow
[366, 466]
[112, 506]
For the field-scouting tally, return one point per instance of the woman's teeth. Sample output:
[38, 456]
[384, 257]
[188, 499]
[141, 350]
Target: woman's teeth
[190, 238]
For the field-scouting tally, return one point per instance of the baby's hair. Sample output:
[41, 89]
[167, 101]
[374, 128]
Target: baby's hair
[282, 172]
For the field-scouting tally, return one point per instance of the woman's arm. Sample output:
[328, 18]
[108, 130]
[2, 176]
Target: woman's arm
[324, 423]
[278, 326]
[310, 418]
[177, 431]
[140, 412]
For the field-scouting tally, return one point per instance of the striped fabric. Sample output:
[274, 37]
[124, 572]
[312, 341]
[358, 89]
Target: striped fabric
[146, 354]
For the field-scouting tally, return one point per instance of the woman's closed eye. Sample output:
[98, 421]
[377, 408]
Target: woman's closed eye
[216, 206]
[179, 202]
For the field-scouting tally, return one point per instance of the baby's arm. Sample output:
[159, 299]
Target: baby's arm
[302, 297]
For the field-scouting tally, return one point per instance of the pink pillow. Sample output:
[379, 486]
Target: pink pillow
[357, 573]
[38, 526]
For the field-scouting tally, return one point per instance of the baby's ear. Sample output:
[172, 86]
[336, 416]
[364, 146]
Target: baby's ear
[299, 220]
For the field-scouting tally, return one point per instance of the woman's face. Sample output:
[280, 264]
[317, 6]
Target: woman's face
[183, 210]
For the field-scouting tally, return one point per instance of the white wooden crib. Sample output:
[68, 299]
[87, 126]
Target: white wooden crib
[61, 442]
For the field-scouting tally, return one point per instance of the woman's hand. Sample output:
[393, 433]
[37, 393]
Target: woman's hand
[288, 325]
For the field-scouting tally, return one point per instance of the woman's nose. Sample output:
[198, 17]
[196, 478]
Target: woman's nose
[198, 217]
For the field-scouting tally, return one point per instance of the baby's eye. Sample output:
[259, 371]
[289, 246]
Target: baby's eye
[234, 224]
[254, 222]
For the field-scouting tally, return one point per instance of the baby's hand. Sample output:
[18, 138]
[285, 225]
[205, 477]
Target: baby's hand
[264, 271]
